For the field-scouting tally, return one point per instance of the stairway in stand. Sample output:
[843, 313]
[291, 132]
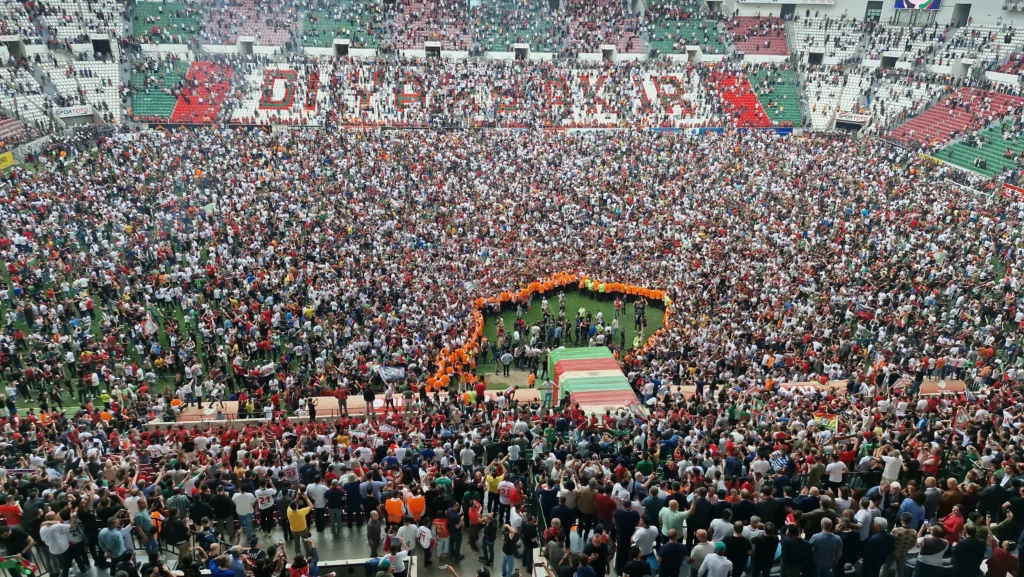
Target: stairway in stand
[740, 101]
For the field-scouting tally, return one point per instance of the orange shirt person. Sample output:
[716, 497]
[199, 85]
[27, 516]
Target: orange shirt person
[417, 505]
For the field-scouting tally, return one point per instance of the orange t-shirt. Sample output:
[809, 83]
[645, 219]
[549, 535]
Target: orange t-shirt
[395, 509]
[417, 505]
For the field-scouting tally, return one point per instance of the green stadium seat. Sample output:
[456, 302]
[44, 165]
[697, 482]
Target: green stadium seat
[963, 155]
[683, 27]
[356, 20]
[150, 98]
[166, 22]
[536, 29]
[153, 103]
[778, 92]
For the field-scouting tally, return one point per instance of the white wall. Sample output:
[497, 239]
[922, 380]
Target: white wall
[159, 49]
[33, 49]
[220, 48]
[512, 55]
[764, 58]
[421, 53]
[1001, 77]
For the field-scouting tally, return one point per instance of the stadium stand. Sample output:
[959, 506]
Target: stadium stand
[444, 21]
[966, 110]
[899, 94]
[989, 151]
[673, 26]
[906, 42]
[1013, 65]
[203, 93]
[822, 89]
[74, 20]
[990, 44]
[833, 37]
[739, 99]
[154, 83]
[501, 23]
[13, 132]
[593, 23]
[94, 83]
[100, 83]
[778, 89]
[359, 21]
[764, 35]
[160, 22]
[22, 95]
[14, 19]
[270, 22]
[852, 97]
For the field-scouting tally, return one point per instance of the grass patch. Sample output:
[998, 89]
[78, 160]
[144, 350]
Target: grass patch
[573, 301]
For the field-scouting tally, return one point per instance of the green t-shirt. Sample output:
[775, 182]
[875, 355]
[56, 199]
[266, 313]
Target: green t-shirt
[446, 484]
[672, 520]
[549, 435]
[815, 474]
[470, 496]
[645, 467]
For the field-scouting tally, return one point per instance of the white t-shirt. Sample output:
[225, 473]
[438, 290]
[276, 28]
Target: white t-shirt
[425, 535]
[761, 466]
[835, 471]
[317, 491]
[864, 518]
[398, 561]
[505, 489]
[244, 503]
[265, 498]
[892, 467]
[645, 539]
[132, 504]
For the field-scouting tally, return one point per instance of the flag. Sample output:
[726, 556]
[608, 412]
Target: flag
[149, 326]
[827, 420]
[18, 565]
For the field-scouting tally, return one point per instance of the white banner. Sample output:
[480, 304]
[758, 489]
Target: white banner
[852, 117]
[69, 111]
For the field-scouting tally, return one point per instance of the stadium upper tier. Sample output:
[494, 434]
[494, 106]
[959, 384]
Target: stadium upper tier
[680, 65]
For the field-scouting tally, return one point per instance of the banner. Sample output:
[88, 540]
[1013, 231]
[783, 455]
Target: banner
[1010, 191]
[852, 117]
[71, 111]
[389, 374]
[917, 4]
[6, 160]
[827, 420]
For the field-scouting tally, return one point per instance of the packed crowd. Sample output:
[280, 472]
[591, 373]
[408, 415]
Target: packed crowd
[170, 269]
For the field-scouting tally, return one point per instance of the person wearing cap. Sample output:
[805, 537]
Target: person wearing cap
[383, 567]
[716, 565]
